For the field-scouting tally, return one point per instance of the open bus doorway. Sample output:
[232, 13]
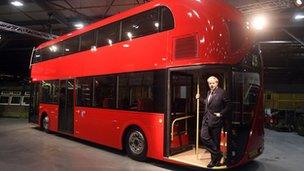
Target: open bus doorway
[187, 112]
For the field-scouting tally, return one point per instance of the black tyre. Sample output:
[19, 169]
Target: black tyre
[136, 145]
[45, 123]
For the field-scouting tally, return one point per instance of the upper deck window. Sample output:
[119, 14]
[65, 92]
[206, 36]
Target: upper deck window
[167, 19]
[71, 45]
[41, 55]
[142, 24]
[108, 35]
[88, 40]
[54, 51]
[37, 56]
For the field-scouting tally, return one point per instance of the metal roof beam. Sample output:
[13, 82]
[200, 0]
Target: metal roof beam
[24, 30]
[55, 14]
[53, 21]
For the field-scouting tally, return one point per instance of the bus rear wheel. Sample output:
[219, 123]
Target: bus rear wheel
[136, 145]
[45, 124]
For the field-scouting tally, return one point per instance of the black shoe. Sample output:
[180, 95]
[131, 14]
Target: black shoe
[211, 164]
[218, 159]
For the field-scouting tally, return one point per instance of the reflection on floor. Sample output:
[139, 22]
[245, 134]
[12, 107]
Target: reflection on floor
[200, 160]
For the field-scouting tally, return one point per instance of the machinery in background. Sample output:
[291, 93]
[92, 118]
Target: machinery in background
[284, 111]
[14, 103]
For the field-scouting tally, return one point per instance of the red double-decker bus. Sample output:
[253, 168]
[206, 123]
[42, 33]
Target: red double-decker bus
[130, 82]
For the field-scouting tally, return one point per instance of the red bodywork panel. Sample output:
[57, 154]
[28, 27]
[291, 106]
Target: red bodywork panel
[52, 111]
[107, 127]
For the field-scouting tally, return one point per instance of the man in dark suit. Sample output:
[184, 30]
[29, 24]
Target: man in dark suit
[216, 107]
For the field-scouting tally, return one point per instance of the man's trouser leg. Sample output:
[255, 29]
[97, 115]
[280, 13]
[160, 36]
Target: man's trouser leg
[216, 137]
[208, 142]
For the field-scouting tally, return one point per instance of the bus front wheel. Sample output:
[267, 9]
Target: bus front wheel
[136, 145]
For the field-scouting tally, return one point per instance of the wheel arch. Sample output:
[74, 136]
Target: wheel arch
[125, 133]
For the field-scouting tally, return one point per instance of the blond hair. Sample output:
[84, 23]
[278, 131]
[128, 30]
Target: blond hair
[212, 78]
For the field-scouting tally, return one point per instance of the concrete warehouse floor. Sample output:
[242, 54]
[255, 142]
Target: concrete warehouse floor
[22, 147]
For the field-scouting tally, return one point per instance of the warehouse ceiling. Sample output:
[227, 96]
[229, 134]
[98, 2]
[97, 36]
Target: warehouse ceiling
[281, 51]
[61, 15]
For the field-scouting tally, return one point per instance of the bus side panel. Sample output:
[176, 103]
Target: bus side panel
[52, 111]
[94, 125]
[106, 127]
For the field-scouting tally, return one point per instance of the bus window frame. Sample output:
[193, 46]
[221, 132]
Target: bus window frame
[96, 30]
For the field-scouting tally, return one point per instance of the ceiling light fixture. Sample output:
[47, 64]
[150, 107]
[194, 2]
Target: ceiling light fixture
[299, 17]
[299, 3]
[259, 22]
[17, 3]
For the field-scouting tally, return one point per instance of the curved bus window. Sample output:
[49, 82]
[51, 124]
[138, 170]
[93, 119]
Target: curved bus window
[139, 25]
[55, 50]
[108, 35]
[252, 61]
[246, 91]
[88, 40]
[71, 45]
[143, 24]
[37, 56]
[41, 55]
[167, 19]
